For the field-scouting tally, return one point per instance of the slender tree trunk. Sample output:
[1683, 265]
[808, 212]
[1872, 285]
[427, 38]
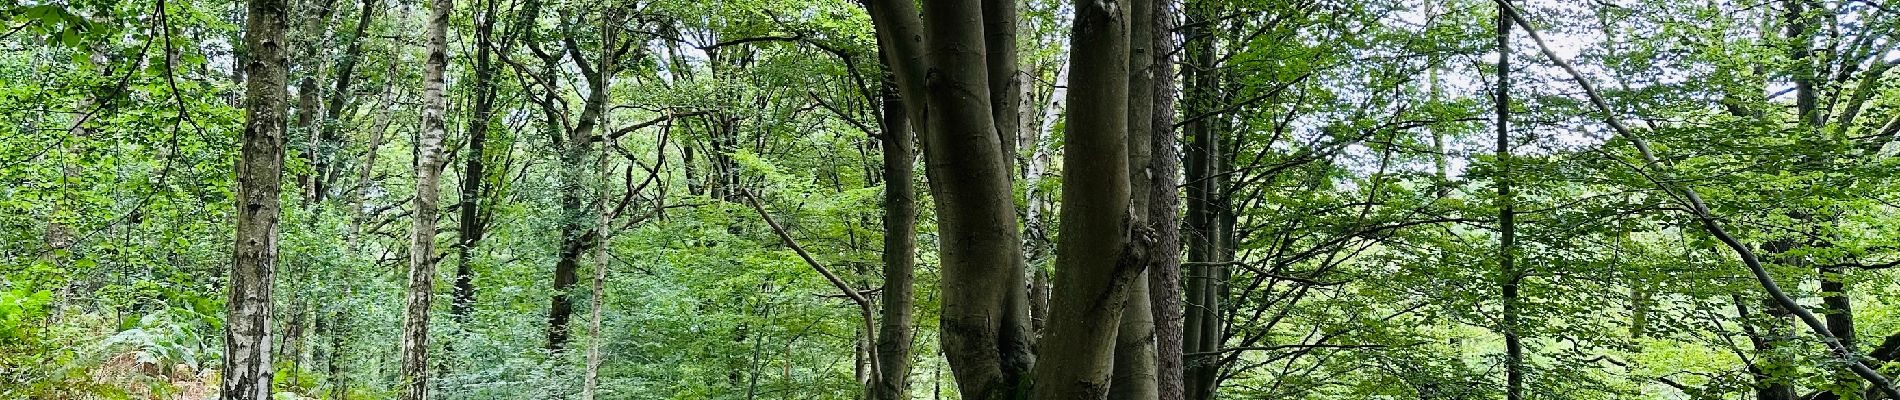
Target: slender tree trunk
[1095, 263]
[309, 63]
[575, 232]
[1164, 207]
[474, 163]
[1508, 275]
[1201, 332]
[592, 378]
[415, 326]
[339, 97]
[260, 169]
[310, 55]
[1134, 376]
[900, 250]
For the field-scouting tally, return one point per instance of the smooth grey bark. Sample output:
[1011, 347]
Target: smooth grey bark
[894, 338]
[1134, 376]
[1095, 263]
[415, 325]
[260, 169]
[984, 313]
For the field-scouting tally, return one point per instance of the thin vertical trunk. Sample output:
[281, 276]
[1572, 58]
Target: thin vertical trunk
[575, 232]
[309, 66]
[1508, 276]
[1164, 206]
[339, 97]
[1201, 329]
[415, 325]
[1095, 262]
[1134, 376]
[900, 250]
[592, 378]
[474, 163]
[260, 168]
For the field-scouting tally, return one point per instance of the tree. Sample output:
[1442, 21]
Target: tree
[894, 338]
[1508, 275]
[985, 309]
[422, 254]
[260, 169]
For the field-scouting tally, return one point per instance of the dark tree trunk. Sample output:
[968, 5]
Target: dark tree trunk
[1095, 266]
[474, 166]
[900, 250]
[1164, 265]
[1134, 376]
[1202, 337]
[1508, 275]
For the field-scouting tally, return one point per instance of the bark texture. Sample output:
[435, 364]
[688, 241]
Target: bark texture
[1094, 262]
[260, 170]
[415, 324]
[900, 251]
[984, 307]
[1134, 364]
[1164, 207]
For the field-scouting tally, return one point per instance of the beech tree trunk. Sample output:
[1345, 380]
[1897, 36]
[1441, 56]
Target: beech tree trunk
[984, 307]
[900, 250]
[260, 170]
[415, 325]
[1205, 278]
[1134, 375]
[1095, 265]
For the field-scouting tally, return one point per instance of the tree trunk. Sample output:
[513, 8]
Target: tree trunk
[592, 377]
[1095, 263]
[1134, 376]
[1201, 331]
[1164, 207]
[474, 164]
[900, 250]
[575, 232]
[260, 169]
[1508, 275]
[984, 309]
[415, 326]
[339, 97]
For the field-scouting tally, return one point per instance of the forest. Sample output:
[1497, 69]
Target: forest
[950, 199]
